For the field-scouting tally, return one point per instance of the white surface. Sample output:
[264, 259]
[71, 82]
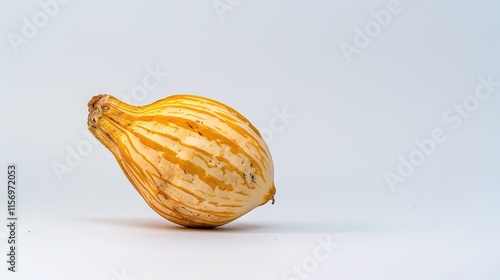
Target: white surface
[351, 123]
[147, 248]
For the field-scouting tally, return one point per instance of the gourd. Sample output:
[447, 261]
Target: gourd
[195, 161]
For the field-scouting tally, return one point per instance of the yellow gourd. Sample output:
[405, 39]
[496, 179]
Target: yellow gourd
[195, 161]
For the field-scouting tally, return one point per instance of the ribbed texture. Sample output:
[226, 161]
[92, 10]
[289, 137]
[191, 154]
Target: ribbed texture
[196, 161]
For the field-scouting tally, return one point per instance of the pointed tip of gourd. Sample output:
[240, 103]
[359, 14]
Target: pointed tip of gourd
[94, 109]
[96, 100]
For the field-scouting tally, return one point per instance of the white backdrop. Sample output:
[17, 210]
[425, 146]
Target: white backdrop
[381, 116]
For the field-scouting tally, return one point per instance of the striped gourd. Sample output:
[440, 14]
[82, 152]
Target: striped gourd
[195, 161]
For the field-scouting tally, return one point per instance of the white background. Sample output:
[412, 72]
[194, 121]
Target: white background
[353, 117]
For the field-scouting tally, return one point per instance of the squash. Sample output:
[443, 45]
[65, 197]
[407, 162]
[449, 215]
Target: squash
[195, 161]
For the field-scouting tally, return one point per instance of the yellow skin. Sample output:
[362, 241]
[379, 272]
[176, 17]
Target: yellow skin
[195, 161]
